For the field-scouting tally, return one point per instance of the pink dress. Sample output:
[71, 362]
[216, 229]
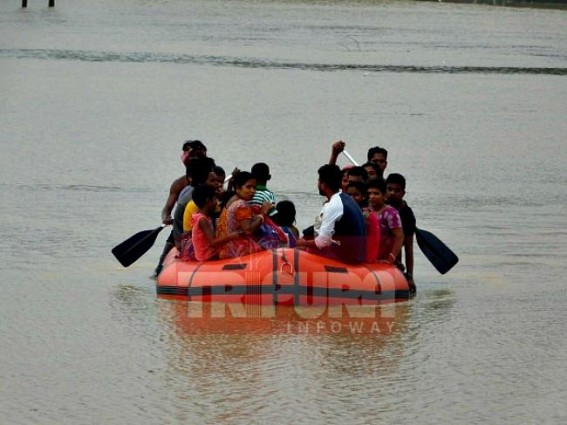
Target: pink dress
[228, 223]
[389, 219]
[203, 251]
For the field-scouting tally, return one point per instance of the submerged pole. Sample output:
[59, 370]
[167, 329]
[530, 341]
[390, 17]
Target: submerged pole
[51, 3]
[24, 3]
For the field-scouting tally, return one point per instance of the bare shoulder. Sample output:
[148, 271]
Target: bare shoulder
[178, 184]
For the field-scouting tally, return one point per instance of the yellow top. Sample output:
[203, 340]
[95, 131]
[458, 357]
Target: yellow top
[190, 209]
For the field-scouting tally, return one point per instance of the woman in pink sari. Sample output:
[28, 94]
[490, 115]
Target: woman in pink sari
[238, 216]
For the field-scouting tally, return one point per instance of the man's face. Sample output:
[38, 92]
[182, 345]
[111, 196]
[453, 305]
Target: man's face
[380, 160]
[320, 187]
[394, 192]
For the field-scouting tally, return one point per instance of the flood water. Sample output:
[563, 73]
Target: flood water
[97, 99]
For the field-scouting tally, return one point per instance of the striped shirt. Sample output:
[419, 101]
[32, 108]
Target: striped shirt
[263, 194]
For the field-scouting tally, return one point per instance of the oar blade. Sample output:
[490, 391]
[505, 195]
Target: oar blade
[439, 254]
[135, 246]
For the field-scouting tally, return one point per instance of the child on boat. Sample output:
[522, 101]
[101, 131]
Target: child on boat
[205, 245]
[261, 172]
[285, 218]
[396, 189]
[357, 191]
[391, 233]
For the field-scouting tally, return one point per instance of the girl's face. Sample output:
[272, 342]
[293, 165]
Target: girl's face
[355, 194]
[375, 198]
[247, 190]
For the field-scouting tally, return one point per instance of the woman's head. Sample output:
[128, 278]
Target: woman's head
[245, 185]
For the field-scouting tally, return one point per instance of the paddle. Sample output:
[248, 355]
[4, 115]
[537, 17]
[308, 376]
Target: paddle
[438, 254]
[135, 246]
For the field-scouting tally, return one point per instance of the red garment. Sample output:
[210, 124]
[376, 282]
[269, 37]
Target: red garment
[372, 236]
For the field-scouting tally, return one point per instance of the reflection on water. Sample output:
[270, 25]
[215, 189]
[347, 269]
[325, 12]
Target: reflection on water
[249, 369]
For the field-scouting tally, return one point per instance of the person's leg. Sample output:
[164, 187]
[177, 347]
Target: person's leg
[169, 245]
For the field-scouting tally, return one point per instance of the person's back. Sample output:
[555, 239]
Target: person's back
[285, 218]
[340, 229]
[350, 232]
[261, 172]
[184, 198]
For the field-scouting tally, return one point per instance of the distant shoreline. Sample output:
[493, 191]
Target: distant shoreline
[542, 4]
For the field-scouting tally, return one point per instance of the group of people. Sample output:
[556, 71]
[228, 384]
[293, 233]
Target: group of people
[364, 219]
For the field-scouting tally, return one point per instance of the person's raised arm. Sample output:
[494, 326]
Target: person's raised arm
[336, 150]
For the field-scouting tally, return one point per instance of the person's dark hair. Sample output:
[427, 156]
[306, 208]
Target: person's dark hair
[358, 171]
[202, 194]
[377, 183]
[261, 172]
[241, 178]
[376, 149]
[198, 169]
[286, 213]
[376, 167]
[193, 144]
[331, 175]
[396, 178]
[360, 186]
[219, 171]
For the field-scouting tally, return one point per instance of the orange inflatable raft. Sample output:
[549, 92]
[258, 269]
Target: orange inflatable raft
[282, 276]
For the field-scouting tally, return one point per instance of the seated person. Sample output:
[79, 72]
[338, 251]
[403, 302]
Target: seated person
[285, 218]
[340, 229]
[238, 216]
[205, 245]
[190, 149]
[391, 233]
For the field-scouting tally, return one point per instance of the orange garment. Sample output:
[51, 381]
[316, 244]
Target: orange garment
[229, 222]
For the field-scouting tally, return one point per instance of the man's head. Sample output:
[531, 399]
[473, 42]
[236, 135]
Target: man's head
[379, 156]
[329, 181]
[199, 170]
[192, 149]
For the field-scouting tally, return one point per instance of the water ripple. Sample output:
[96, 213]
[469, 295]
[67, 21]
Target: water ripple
[239, 62]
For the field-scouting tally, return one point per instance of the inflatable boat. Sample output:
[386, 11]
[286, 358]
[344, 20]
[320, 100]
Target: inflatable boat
[282, 276]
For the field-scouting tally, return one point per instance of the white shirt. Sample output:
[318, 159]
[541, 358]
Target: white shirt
[324, 226]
